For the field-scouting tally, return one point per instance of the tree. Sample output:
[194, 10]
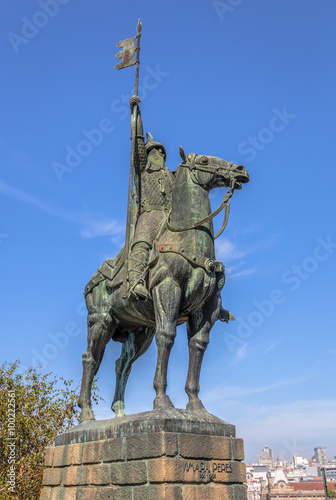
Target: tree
[34, 408]
[331, 494]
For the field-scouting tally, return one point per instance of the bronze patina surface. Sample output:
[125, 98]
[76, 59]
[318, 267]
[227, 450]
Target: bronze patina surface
[160, 420]
[174, 265]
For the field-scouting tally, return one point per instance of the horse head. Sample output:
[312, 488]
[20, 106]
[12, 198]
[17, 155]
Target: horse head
[213, 172]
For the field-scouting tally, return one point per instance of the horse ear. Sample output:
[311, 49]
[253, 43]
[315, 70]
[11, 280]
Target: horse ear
[182, 154]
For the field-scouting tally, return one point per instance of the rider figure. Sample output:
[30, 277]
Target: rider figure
[154, 183]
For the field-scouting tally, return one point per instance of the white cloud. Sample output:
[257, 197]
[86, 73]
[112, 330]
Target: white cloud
[102, 228]
[232, 253]
[235, 266]
[103, 412]
[244, 272]
[241, 353]
[91, 227]
[224, 392]
[299, 419]
[21, 196]
[269, 348]
[228, 252]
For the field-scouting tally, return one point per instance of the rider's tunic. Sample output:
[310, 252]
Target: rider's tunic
[155, 182]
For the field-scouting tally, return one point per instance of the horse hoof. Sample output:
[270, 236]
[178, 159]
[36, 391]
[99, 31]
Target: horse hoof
[162, 402]
[195, 405]
[118, 408]
[86, 414]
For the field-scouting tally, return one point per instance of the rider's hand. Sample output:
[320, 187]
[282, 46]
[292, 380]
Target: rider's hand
[133, 101]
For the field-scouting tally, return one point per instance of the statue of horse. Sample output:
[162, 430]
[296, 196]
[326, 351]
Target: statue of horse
[184, 280]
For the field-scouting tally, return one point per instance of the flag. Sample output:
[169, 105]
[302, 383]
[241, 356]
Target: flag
[127, 53]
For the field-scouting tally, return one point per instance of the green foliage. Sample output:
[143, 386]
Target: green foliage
[331, 494]
[45, 405]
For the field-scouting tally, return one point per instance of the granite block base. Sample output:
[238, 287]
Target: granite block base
[172, 454]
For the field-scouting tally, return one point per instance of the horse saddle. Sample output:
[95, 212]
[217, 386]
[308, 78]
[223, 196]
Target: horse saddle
[110, 269]
[107, 271]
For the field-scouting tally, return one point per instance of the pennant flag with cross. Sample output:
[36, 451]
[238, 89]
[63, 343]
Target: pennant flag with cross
[127, 53]
[128, 50]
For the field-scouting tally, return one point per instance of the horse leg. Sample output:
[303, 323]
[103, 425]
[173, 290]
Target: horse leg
[137, 343]
[166, 298]
[199, 325]
[100, 330]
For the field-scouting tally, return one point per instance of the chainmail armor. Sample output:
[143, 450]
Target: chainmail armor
[155, 181]
[140, 156]
[155, 190]
[148, 227]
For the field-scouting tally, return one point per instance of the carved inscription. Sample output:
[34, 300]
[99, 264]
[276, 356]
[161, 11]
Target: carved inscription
[207, 470]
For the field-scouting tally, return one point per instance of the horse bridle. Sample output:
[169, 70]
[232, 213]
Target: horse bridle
[225, 203]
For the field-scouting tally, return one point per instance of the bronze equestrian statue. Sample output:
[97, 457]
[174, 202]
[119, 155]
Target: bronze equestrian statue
[173, 275]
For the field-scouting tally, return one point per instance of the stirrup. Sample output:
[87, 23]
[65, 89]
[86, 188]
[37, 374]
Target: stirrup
[139, 291]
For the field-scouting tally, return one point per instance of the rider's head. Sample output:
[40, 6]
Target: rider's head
[154, 148]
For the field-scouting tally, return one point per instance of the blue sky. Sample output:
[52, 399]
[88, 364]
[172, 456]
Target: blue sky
[250, 82]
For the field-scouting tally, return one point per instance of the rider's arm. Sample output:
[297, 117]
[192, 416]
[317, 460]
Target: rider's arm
[140, 154]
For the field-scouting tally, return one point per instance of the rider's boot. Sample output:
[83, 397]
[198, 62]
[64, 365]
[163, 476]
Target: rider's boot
[137, 265]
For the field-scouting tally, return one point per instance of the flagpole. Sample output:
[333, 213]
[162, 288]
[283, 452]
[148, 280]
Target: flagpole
[137, 61]
[130, 183]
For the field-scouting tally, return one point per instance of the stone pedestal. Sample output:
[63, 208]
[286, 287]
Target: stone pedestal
[172, 454]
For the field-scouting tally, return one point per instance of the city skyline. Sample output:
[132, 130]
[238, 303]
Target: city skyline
[319, 455]
[298, 479]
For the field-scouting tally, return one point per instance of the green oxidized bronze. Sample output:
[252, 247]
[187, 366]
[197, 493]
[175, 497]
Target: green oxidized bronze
[172, 275]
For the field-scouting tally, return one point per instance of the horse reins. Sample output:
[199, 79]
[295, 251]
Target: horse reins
[225, 203]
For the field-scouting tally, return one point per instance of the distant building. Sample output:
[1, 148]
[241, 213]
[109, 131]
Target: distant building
[330, 471]
[279, 489]
[256, 480]
[302, 473]
[320, 455]
[277, 477]
[266, 457]
[297, 480]
[299, 461]
[296, 474]
[312, 472]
